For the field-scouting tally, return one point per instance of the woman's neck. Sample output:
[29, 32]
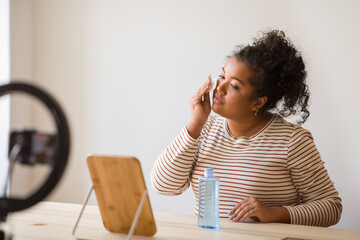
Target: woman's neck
[249, 127]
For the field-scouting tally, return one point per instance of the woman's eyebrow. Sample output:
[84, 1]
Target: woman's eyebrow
[234, 77]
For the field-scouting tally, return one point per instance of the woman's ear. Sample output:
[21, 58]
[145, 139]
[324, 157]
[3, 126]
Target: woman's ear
[260, 102]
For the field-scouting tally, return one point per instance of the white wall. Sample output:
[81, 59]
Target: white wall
[4, 78]
[124, 71]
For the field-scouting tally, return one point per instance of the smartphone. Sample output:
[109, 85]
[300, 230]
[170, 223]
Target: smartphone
[35, 147]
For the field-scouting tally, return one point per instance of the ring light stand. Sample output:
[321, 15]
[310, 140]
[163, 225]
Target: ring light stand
[8, 205]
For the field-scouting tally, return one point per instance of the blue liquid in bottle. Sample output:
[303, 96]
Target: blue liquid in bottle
[208, 215]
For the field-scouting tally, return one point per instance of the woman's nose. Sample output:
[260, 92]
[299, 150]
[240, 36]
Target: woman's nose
[220, 87]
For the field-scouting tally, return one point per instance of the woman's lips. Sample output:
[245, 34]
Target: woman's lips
[217, 100]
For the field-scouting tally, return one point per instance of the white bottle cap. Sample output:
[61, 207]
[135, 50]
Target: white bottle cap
[209, 172]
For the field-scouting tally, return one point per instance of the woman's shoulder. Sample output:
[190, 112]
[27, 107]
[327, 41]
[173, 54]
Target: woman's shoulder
[294, 130]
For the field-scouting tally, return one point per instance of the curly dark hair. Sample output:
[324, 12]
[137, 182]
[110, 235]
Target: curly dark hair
[279, 74]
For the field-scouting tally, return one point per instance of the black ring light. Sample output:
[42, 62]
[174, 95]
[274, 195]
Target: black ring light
[8, 205]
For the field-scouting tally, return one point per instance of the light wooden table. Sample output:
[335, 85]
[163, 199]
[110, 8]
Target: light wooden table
[49, 220]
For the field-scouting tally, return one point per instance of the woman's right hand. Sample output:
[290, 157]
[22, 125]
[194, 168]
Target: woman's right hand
[200, 110]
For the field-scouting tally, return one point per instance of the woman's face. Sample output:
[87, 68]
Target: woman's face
[234, 96]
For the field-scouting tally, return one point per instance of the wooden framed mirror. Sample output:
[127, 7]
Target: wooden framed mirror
[119, 188]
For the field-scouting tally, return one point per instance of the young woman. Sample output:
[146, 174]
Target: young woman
[270, 170]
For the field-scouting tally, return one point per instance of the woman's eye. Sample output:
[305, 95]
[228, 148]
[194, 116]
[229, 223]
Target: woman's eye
[221, 77]
[234, 86]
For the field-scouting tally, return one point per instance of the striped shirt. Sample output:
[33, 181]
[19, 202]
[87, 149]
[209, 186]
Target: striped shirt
[280, 166]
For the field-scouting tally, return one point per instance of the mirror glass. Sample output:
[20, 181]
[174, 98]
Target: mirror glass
[29, 145]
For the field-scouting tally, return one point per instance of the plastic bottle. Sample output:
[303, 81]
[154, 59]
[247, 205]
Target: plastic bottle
[208, 215]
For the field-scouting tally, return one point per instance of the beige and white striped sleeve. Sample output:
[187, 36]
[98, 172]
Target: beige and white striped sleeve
[320, 202]
[170, 174]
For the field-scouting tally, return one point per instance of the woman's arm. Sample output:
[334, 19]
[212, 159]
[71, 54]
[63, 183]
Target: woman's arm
[172, 170]
[320, 202]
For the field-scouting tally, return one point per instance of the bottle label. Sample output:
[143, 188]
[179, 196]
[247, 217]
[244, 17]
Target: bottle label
[208, 215]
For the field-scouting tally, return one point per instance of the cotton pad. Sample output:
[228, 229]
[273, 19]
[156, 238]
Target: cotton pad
[214, 79]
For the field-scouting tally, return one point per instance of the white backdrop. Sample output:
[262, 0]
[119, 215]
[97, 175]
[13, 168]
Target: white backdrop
[4, 78]
[124, 71]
